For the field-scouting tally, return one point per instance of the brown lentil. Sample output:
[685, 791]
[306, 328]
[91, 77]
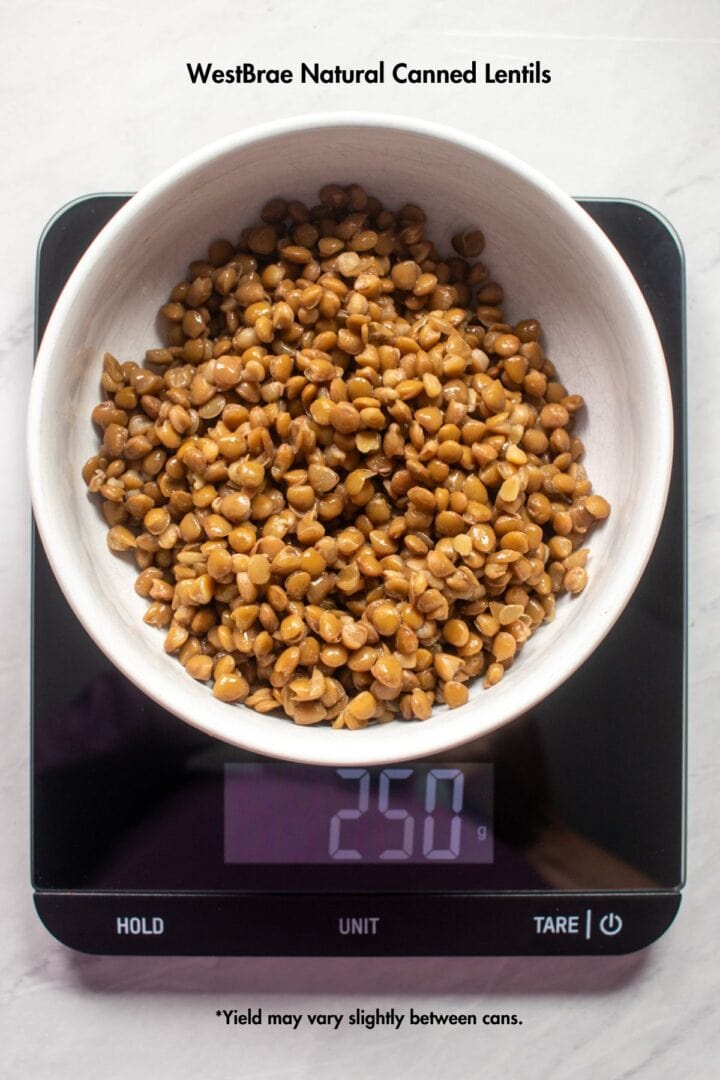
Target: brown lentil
[349, 486]
[455, 694]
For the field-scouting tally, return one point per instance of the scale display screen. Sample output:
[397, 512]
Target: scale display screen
[426, 813]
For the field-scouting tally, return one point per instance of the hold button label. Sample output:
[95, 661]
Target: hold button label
[139, 924]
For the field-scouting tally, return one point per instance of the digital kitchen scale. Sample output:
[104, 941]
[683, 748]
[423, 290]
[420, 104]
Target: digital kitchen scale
[563, 832]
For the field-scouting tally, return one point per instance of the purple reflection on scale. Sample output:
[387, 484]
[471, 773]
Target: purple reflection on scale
[425, 814]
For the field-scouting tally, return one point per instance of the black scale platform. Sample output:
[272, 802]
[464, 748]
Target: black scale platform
[561, 833]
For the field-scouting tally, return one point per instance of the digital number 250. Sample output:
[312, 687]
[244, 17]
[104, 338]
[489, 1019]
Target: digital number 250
[430, 849]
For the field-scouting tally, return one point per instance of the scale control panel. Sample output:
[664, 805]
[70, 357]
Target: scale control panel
[363, 924]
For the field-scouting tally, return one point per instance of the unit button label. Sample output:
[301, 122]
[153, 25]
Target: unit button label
[610, 924]
[557, 924]
[367, 925]
[139, 924]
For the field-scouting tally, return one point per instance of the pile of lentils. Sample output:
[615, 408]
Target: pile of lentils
[349, 485]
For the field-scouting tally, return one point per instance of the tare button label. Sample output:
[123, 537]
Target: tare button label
[139, 924]
[557, 924]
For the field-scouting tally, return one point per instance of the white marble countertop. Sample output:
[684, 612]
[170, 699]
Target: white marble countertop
[95, 98]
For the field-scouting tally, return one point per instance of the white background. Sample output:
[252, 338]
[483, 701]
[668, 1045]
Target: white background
[95, 97]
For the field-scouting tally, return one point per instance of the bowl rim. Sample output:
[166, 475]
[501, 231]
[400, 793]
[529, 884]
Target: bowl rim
[337, 748]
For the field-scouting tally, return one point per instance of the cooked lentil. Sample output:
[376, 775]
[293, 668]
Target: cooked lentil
[349, 485]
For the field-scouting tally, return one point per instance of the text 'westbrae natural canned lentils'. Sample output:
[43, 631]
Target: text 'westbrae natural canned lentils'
[350, 487]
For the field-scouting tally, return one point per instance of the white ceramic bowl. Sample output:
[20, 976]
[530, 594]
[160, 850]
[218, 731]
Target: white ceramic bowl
[555, 263]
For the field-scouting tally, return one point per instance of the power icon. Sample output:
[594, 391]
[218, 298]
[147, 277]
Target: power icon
[610, 924]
